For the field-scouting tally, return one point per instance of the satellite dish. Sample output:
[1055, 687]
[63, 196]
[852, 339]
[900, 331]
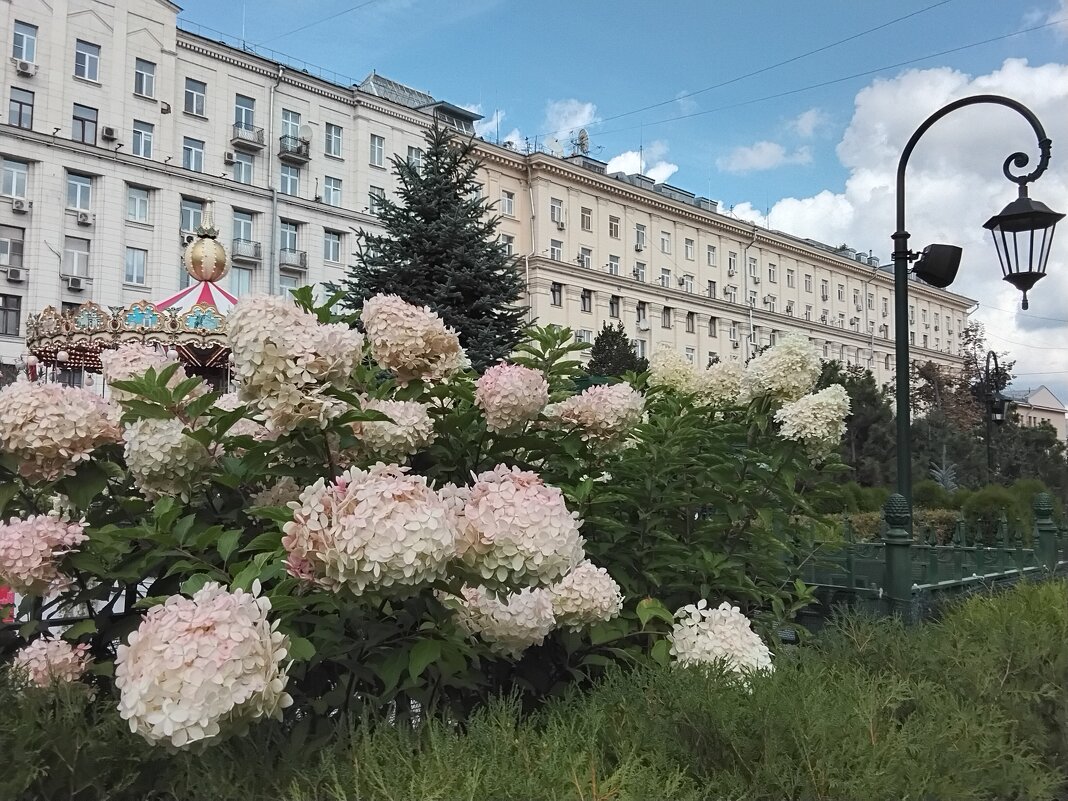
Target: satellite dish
[583, 142]
[306, 133]
[552, 144]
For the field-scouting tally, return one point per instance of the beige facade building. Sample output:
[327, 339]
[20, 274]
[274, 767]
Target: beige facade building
[1037, 406]
[121, 127]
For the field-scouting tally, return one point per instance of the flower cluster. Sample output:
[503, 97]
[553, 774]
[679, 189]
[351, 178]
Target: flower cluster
[702, 636]
[668, 368]
[510, 626]
[410, 341]
[47, 661]
[280, 493]
[197, 667]
[785, 372]
[133, 361]
[515, 529]
[284, 359]
[817, 419]
[30, 551]
[604, 413]
[162, 459]
[376, 528]
[510, 395]
[51, 428]
[409, 429]
[721, 383]
[585, 596]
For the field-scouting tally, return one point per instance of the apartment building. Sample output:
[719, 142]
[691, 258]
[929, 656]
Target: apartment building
[1037, 406]
[121, 127]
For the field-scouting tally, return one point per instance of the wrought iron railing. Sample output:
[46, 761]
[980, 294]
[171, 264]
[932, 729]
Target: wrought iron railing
[246, 249]
[293, 148]
[245, 134]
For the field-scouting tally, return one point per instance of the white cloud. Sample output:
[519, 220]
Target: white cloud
[954, 184]
[649, 162]
[761, 156]
[488, 127]
[564, 118]
[687, 105]
[808, 122]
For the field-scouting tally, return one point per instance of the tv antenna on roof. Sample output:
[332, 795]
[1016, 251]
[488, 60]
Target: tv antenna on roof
[581, 143]
[552, 144]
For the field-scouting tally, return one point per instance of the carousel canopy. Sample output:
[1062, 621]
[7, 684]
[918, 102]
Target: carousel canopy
[202, 293]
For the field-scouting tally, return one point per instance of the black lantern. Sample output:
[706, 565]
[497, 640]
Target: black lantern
[1023, 235]
[938, 265]
[999, 408]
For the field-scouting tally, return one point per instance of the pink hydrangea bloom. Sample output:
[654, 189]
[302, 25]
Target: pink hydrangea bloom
[47, 661]
[510, 395]
[585, 596]
[163, 459]
[702, 636]
[30, 551]
[369, 529]
[507, 626]
[410, 341]
[51, 428]
[515, 529]
[604, 413]
[197, 668]
[411, 429]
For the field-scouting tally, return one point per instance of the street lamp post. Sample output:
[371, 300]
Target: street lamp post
[1023, 233]
[996, 408]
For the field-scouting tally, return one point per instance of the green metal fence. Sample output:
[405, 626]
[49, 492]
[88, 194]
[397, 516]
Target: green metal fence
[912, 575]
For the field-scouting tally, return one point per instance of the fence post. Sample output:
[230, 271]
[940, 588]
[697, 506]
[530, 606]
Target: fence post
[898, 550]
[1045, 531]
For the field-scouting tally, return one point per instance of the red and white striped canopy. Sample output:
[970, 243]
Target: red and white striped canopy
[204, 293]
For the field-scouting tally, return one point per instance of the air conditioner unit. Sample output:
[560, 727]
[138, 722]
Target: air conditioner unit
[767, 299]
[886, 314]
[108, 133]
[25, 68]
[732, 271]
[86, 218]
[643, 325]
[936, 328]
[21, 205]
[228, 157]
[756, 280]
[926, 325]
[823, 318]
[636, 274]
[187, 238]
[825, 298]
[639, 248]
[16, 275]
[736, 344]
[560, 225]
[854, 320]
[74, 283]
[860, 307]
[682, 281]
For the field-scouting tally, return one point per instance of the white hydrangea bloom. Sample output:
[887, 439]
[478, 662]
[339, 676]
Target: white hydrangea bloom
[702, 636]
[509, 395]
[411, 429]
[198, 668]
[163, 460]
[410, 341]
[47, 661]
[369, 529]
[817, 419]
[721, 383]
[585, 596]
[785, 372]
[246, 426]
[668, 368]
[280, 493]
[604, 413]
[508, 626]
[515, 529]
[30, 551]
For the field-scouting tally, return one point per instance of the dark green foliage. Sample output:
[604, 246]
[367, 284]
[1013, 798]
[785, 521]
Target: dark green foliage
[930, 494]
[868, 445]
[613, 353]
[440, 249]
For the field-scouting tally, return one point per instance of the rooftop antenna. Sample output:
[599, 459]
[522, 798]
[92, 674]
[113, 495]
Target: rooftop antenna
[581, 143]
[552, 144]
[242, 23]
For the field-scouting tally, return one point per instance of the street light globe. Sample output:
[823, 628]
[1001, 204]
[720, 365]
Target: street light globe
[1023, 234]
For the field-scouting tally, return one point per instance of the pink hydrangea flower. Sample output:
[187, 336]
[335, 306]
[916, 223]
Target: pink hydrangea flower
[163, 459]
[510, 395]
[30, 551]
[585, 596]
[409, 341]
[409, 430]
[47, 661]
[507, 626]
[604, 413]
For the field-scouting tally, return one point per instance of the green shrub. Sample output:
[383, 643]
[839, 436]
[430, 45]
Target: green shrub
[928, 494]
[984, 508]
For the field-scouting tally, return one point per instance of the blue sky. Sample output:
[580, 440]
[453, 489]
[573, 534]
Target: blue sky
[816, 162]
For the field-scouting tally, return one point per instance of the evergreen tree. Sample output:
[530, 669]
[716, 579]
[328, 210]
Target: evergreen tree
[440, 249]
[613, 353]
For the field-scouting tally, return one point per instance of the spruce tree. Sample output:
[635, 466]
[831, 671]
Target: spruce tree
[440, 249]
[613, 353]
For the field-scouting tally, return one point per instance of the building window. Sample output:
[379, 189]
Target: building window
[639, 348]
[287, 235]
[76, 257]
[83, 127]
[243, 226]
[841, 291]
[710, 255]
[507, 203]
[752, 298]
[713, 327]
[20, 109]
[135, 266]
[290, 124]
[665, 242]
[732, 334]
[808, 312]
[137, 204]
[332, 191]
[732, 263]
[79, 192]
[770, 300]
[288, 280]
[665, 277]
[585, 258]
[193, 154]
[639, 236]
[378, 151]
[87, 60]
[10, 315]
[773, 274]
[688, 249]
[871, 301]
[665, 317]
[192, 213]
[556, 249]
[12, 241]
[332, 246]
[556, 294]
[243, 167]
[509, 244]
[711, 289]
[925, 340]
[144, 78]
[640, 311]
[639, 271]
[289, 180]
[240, 281]
[613, 307]
[613, 265]
[691, 355]
[856, 299]
[754, 267]
[825, 289]
[691, 323]
[613, 227]
[789, 278]
[195, 94]
[808, 282]
[415, 158]
[24, 45]
[376, 196]
[333, 140]
[244, 112]
[586, 300]
[687, 283]
[556, 210]
[141, 141]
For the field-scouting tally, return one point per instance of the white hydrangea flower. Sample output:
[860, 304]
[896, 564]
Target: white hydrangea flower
[604, 413]
[30, 551]
[785, 372]
[585, 596]
[47, 661]
[246, 426]
[163, 460]
[411, 429]
[509, 395]
[721, 383]
[375, 529]
[668, 368]
[515, 529]
[702, 636]
[411, 342]
[280, 493]
[199, 668]
[817, 419]
[508, 626]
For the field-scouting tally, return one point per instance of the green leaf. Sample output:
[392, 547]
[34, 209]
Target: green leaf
[140, 409]
[244, 579]
[7, 492]
[183, 527]
[300, 649]
[194, 583]
[80, 628]
[227, 542]
[198, 406]
[279, 514]
[268, 541]
[650, 609]
[390, 668]
[422, 655]
[88, 481]
[102, 668]
[661, 652]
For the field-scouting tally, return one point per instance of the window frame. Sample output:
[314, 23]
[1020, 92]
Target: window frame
[377, 151]
[332, 191]
[126, 279]
[289, 179]
[507, 202]
[80, 270]
[190, 153]
[136, 202]
[330, 245]
[84, 123]
[146, 78]
[19, 38]
[82, 188]
[247, 164]
[199, 97]
[10, 310]
[333, 140]
[16, 108]
[142, 136]
[86, 61]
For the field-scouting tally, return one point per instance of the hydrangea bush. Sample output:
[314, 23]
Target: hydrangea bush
[366, 526]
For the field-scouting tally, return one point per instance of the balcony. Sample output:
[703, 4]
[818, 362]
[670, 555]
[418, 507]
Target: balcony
[246, 250]
[287, 257]
[293, 149]
[247, 137]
